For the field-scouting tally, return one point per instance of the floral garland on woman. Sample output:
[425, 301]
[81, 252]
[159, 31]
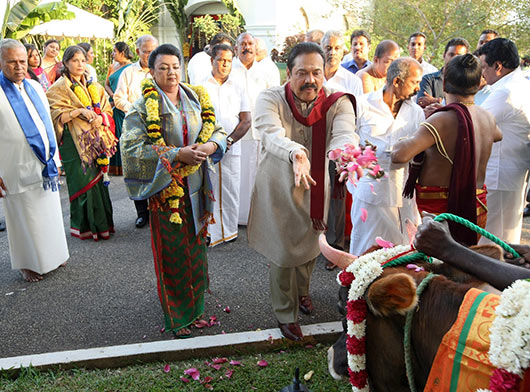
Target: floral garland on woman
[359, 275]
[175, 191]
[510, 339]
[94, 103]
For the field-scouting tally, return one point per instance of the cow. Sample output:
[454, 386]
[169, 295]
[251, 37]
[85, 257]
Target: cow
[389, 298]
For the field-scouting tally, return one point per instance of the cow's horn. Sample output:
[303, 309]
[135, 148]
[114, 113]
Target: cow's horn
[338, 257]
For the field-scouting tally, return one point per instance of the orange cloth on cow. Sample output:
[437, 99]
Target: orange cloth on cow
[462, 363]
[434, 199]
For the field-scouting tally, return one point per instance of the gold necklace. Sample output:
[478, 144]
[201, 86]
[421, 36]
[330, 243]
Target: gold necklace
[467, 103]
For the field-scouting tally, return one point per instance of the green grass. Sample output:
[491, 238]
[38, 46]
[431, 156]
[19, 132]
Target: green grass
[151, 377]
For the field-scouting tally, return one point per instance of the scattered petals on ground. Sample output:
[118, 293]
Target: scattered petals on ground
[308, 375]
[235, 363]
[227, 309]
[229, 373]
[167, 368]
[219, 360]
[193, 373]
[263, 363]
[184, 379]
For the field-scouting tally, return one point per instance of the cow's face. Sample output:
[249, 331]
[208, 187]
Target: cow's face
[392, 294]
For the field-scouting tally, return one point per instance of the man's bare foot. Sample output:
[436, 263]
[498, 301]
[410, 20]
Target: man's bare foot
[31, 276]
[182, 333]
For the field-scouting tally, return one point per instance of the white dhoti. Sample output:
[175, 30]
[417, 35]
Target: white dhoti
[225, 184]
[250, 156]
[388, 223]
[505, 215]
[35, 230]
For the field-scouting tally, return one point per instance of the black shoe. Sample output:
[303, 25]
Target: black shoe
[141, 221]
[526, 211]
[2, 226]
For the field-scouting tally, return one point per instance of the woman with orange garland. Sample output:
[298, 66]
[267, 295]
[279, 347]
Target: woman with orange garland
[83, 123]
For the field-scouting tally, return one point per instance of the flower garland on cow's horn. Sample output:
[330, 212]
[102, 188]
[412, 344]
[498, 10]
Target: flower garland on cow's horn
[175, 190]
[510, 339]
[93, 102]
[359, 275]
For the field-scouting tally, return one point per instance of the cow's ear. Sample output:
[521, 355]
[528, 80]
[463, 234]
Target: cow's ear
[491, 250]
[392, 294]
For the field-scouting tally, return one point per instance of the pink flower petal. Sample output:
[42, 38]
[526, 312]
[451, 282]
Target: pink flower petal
[206, 380]
[383, 243]
[263, 363]
[335, 154]
[208, 386]
[227, 309]
[364, 214]
[193, 373]
[372, 189]
[184, 379]
[162, 330]
[235, 363]
[215, 366]
[167, 368]
[219, 360]
[229, 373]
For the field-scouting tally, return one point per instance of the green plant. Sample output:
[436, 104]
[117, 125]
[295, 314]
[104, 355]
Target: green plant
[21, 17]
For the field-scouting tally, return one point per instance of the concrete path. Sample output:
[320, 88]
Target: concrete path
[106, 295]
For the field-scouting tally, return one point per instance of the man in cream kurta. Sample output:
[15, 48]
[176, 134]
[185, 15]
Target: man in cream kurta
[385, 117]
[280, 225]
[509, 161]
[251, 75]
[37, 241]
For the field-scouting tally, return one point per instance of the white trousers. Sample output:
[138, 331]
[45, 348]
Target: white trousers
[250, 157]
[225, 184]
[505, 215]
[35, 230]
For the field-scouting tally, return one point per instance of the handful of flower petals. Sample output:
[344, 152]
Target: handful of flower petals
[354, 161]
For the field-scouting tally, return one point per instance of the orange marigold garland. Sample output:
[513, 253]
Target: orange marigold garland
[172, 194]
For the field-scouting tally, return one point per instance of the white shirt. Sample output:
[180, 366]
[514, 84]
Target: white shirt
[128, 89]
[228, 99]
[510, 158]
[92, 74]
[347, 57]
[482, 94]
[254, 82]
[345, 81]
[427, 68]
[199, 67]
[272, 73]
[376, 124]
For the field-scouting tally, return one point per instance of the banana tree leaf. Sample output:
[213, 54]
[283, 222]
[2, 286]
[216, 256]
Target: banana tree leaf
[19, 12]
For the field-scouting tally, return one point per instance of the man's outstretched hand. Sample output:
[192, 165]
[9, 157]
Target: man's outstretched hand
[301, 169]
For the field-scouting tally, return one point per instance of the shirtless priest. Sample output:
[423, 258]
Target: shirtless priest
[28, 169]
[450, 166]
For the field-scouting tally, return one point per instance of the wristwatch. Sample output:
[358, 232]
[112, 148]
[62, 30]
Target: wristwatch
[229, 141]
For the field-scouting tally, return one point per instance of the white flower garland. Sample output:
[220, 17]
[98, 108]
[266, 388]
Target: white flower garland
[366, 269]
[510, 331]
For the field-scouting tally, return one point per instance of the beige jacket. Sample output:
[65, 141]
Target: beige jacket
[280, 227]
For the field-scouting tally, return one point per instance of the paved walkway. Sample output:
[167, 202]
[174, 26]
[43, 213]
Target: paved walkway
[106, 295]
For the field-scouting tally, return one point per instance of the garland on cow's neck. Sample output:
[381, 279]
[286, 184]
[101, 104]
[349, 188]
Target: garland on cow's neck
[172, 194]
[359, 275]
[510, 339]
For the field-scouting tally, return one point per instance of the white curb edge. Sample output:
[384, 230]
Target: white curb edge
[170, 350]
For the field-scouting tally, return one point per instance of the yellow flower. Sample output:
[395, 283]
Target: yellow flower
[153, 126]
[175, 218]
[94, 93]
[80, 93]
[154, 135]
[174, 203]
[103, 161]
